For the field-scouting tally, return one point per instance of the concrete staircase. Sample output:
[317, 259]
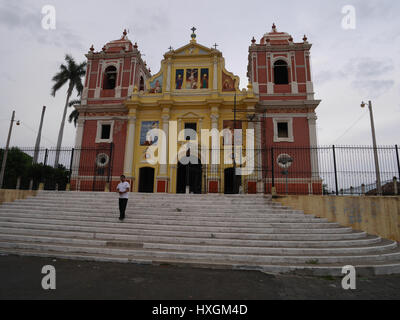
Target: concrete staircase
[219, 231]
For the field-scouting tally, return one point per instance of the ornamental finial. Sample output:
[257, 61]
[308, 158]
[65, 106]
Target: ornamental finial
[193, 35]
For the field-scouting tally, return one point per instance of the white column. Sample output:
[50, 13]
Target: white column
[164, 167]
[130, 147]
[215, 75]
[255, 73]
[120, 70]
[312, 127]
[78, 146]
[99, 80]
[214, 145]
[168, 86]
[132, 77]
[260, 187]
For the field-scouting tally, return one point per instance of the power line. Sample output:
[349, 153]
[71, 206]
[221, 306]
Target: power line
[33, 130]
[351, 127]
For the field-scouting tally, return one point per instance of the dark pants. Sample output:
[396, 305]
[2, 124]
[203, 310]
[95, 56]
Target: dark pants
[122, 207]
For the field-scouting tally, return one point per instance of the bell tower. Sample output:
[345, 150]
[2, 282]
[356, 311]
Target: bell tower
[280, 71]
[113, 74]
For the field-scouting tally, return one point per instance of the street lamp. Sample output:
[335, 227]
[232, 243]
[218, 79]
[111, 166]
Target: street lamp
[3, 165]
[377, 171]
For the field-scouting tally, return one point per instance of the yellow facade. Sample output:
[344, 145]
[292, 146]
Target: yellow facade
[205, 97]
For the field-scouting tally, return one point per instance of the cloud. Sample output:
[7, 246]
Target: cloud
[367, 75]
[24, 21]
[368, 67]
[375, 88]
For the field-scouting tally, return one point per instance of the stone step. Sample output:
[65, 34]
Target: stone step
[169, 206]
[369, 249]
[152, 210]
[363, 268]
[93, 212]
[188, 226]
[207, 232]
[95, 232]
[188, 239]
[243, 258]
[194, 248]
[176, 219]
[87, 194]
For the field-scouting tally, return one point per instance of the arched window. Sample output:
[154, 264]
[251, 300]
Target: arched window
[281, 72]
[141, 84]
[110, 77]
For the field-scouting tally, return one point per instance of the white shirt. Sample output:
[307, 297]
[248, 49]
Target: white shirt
[123, 187]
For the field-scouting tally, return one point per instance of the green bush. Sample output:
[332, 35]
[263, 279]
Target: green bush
[19, 164]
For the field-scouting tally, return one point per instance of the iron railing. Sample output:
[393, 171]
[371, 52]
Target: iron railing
[334, 170]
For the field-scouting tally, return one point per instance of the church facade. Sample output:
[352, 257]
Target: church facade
[189, 128]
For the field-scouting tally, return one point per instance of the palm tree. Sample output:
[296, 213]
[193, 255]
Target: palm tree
[74, 115]
[71, 73]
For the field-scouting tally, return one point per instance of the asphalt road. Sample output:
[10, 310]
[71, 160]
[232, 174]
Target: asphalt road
[21, 278]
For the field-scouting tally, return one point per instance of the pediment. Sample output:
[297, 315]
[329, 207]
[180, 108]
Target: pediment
[190, 115]
[192, 48]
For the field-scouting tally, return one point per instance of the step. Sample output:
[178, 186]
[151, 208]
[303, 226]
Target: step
[261, 234]
[97, 232]
[159, 211]
[218, 257]
[193, 248]
[172, 219]
[278, 242]
[188, 226]
[376, 268]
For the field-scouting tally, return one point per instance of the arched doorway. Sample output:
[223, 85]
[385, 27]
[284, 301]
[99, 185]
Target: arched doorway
[146, 180]
[231, 181]
[190, 173]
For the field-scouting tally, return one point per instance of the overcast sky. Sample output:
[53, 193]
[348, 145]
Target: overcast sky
[349, 65]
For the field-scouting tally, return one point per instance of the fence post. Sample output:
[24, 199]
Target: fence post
[398, 160]
[335, 168]
[273, 189]
[46, 155]
[108, 184]
[395, 188]
[68, 187]
[42, 182]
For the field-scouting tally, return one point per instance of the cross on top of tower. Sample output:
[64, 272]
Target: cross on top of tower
[215, 46]
[193, 34]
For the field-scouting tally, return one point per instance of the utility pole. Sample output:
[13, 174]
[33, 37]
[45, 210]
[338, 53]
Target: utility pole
[377, 171]
[39, 136]
[3, 165]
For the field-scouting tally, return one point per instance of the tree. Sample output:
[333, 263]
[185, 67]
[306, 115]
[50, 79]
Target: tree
[72, 74]
[74, 115]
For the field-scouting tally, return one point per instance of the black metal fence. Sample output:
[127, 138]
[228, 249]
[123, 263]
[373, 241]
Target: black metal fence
[335, 170]
[23, 172]
[338, 170]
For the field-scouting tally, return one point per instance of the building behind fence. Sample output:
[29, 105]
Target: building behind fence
[338, 170]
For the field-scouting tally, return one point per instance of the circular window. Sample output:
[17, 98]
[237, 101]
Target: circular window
[102, 160]
[284, 160]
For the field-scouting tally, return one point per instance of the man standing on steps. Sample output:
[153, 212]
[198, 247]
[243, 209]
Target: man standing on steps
[123, 189]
